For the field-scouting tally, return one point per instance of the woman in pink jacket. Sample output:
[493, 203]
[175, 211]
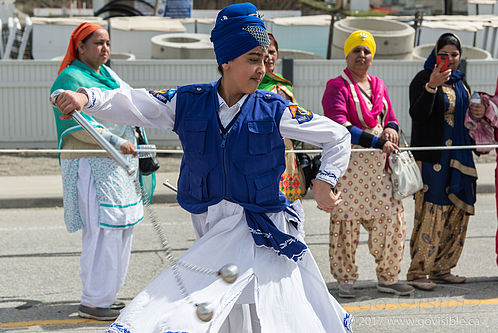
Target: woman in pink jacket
[360, 102]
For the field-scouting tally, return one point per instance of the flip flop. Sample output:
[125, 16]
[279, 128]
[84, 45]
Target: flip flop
[449, 278]
[422, 284]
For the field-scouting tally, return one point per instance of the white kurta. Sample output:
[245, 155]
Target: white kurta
[288, 296]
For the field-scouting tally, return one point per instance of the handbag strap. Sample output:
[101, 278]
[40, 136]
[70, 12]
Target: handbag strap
[140, 138]
[403, 138]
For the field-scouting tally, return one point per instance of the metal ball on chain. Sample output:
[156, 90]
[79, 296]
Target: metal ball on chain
[205, 311]
[229, 273]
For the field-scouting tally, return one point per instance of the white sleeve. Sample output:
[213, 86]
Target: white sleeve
[136, 107]
[334, 139]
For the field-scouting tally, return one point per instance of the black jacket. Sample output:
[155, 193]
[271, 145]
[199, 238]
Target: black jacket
[427, 113]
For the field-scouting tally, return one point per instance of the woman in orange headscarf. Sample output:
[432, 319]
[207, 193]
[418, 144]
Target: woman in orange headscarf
[99, 197]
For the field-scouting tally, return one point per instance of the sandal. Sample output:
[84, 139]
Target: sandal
[449, 278]
[422, 284]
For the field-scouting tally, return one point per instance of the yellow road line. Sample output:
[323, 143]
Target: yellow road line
[50, 322]
[368, 307]
[417, 305]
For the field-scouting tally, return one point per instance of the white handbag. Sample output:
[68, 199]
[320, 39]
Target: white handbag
[405, 174]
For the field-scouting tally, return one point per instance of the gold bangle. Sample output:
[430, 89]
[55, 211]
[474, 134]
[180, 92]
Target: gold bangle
[429, 89]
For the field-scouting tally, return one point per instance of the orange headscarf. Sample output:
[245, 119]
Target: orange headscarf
[80, 33]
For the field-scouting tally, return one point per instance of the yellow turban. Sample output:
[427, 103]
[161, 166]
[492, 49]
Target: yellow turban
[357, 38]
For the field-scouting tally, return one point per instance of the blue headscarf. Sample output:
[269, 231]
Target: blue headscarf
[463, 175]
[238, 29]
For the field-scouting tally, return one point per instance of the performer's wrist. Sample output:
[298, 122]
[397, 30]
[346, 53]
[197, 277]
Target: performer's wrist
[87, 93]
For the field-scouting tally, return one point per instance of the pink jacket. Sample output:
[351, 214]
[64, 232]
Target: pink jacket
[342, 102]
[482, 131]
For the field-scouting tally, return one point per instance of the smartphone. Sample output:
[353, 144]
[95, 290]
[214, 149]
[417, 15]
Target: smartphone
[442, 62]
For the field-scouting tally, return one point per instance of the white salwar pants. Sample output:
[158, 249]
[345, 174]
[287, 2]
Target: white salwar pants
[243, 317]
[271, 293]
[105, 252]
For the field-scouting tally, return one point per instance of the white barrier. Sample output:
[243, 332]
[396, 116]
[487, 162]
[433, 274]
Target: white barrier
[180, 151]
[27, 119]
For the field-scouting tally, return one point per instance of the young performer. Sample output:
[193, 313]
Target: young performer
[231, 135]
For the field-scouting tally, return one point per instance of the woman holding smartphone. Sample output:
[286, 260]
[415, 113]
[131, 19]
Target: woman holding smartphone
[438, 102]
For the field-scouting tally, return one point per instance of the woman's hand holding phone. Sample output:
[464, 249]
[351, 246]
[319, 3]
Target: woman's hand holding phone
[442, 62]
[441, 72]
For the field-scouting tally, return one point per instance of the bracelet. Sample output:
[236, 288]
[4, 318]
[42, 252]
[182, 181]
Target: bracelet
[430, 89]
[54, 95]
[392, 125]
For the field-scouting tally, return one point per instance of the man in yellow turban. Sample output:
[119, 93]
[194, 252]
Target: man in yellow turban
[357, 38]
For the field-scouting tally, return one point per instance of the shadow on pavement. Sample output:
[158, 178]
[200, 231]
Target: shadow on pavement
[474, 289]
[17, 313]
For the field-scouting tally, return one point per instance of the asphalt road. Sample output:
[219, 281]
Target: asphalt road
[40, 285]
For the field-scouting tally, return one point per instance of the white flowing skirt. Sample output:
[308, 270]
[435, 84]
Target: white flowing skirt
[288, 296]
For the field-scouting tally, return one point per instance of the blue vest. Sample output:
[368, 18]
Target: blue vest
[243, 165]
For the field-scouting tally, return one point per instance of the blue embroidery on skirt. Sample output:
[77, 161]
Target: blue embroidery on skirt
[117, 328]
[348, 320]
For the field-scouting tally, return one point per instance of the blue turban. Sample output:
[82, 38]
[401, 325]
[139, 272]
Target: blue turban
[238, 29]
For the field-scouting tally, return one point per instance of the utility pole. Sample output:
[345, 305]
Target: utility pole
[448, 7]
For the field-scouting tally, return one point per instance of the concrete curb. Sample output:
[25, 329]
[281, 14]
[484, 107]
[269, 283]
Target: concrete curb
[485, 188]
[48, 202]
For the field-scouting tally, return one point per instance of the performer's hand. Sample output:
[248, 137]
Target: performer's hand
[390, 134]
[68, 101]
[477, 110]
[129, 148]
[324, 196]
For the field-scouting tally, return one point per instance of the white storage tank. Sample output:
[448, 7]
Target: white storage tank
[114, 56]
[297, 54]
[468, 30]
[482, 7]
[182, 46]
[122, 56]
[306, 33]
[198, 25]
[421, 52]
[133, 34]
[51, 35]
[394, 39]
